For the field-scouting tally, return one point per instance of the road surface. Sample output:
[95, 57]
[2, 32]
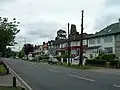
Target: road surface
[50, 77]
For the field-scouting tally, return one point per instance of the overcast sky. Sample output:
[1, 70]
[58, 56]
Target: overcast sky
[40, 19]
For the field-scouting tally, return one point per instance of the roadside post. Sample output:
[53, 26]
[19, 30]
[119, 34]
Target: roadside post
[14, 81]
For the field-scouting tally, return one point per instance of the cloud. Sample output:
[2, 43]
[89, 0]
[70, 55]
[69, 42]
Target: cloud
[109, 14]
[112, 3]
[43, 29]
[40, 19]
[106, 20]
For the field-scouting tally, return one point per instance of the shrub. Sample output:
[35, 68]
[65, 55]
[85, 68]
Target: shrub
[97, 62]
[107, 64]
[40, 58]
[3, 69]
[108, 57]
[44, 57]
[114, 63]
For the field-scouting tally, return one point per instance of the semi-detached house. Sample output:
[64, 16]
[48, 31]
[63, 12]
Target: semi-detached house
[106, 40]
[74, 45]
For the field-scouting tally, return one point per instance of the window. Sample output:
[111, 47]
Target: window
[73, 43]
[108, 39]
[98, 40]
[109, 50]
[92, 41]
[117, 37]
[73, 52]
[84, 42]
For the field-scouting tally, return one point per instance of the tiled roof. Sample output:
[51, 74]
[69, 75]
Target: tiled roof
[111, 29]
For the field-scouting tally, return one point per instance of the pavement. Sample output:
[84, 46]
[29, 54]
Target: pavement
[6, 80]
[50, 77]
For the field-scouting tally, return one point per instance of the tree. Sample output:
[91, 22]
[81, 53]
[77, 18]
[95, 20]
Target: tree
[61, 34]
[8, 30]
[21, 54]
[28, 48]
[9, 53]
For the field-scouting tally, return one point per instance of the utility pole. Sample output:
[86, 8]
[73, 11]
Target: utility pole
[81, 41]
[68, 45]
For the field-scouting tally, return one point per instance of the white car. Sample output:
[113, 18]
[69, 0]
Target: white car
[52, 60]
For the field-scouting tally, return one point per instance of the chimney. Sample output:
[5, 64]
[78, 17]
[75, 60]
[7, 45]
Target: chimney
[119, 19]
[43, 43]
[119, 22]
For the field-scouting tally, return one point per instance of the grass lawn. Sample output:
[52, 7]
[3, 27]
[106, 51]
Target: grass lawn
[8, 88]
[44, 60]
[77, 67]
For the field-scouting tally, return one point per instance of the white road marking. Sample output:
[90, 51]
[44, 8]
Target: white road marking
[81, 78]
[118, 86]
[54, 71]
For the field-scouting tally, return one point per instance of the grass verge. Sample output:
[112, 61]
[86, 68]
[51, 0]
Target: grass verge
[77, 67]
[9, 88]
[43, 60]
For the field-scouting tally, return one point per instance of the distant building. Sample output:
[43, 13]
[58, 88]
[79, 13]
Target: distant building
[74, 45]
[54, 45]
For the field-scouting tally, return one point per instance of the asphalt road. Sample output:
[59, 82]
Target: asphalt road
[50, 77]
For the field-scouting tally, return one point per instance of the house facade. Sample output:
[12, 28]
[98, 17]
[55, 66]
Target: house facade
[107, 41]
[104, 41]
[74, 45]
[54, 45]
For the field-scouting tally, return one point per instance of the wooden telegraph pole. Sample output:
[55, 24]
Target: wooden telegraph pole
[81, 41]
[68, 45]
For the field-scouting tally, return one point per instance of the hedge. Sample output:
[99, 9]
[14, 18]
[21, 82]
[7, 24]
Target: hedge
[96, 62]
[115, 63]
[43, 57]
[108, 57]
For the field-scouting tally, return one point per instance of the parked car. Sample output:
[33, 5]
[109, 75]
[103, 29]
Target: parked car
[52, 60]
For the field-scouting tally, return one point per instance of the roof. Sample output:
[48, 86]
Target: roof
[77, 37]
[111, 29]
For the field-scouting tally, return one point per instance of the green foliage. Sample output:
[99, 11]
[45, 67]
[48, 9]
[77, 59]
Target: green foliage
[9, 88]
[74, 66]
[43, 57]
[97, 62]
[115, 63]
[28, 48]
[100, 54]
[107, 64]
[9, 53]
[108, 57]
[8, 30]
[21, 54]
[2, 69]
